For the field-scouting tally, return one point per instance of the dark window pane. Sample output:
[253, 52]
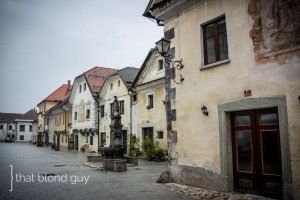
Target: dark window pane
[211, 54]
[223, 48]
[268, 118]
[270, 152]
[242, 120]
[209, 30]
[91, 140]
[244, 151]
[221, 26]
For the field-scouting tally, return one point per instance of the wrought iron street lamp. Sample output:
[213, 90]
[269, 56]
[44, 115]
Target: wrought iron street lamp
[163, 46]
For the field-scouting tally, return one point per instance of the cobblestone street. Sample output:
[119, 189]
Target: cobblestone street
[137, 183]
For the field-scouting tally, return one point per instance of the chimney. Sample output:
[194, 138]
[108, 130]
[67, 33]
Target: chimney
[69, 85]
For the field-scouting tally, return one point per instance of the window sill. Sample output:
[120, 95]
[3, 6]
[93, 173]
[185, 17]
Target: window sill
[215, 64]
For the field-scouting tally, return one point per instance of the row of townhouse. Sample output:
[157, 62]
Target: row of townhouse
[78, 116]
[18, 127]
[233, 110]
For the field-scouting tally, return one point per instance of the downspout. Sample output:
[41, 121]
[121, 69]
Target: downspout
[66, 125]
[98, 124]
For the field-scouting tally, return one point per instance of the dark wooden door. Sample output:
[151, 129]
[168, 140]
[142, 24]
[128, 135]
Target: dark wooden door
[256, 152]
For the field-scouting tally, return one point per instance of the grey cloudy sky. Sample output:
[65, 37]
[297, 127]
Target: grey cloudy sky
[44, 43]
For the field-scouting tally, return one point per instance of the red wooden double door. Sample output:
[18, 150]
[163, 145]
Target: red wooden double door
[256, 152]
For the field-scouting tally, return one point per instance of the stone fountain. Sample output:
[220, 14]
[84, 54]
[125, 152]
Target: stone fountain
[115, 152]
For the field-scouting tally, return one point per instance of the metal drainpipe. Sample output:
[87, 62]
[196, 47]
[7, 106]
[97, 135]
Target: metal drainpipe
[98, 123]
[66, 125]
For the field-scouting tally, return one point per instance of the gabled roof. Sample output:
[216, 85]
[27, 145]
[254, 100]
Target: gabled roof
[59, 94]
[9, 117]
[96, 77]
[30, 115]
[57, 106]
[143, 65]
[127, 74]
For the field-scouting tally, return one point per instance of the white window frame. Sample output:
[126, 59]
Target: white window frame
[76, 116]
[202, 23]
[86, 111]
[147, 100]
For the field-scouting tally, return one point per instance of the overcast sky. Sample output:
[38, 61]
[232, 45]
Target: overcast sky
[44, 43]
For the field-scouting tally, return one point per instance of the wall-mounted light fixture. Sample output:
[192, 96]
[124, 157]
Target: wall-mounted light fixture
[204, 110]
[163, 47]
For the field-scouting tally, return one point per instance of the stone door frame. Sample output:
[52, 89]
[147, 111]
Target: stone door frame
[224, 111]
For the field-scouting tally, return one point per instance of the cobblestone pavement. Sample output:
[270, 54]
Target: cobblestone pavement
[199, 193]
[136, 183]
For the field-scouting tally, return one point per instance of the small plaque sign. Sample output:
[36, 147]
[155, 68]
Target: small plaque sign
[247, 93]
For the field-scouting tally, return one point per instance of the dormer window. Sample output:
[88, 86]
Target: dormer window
[160, 64]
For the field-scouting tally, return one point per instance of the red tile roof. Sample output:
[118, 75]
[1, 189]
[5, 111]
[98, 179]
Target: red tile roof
[96, 77]
[60, 94]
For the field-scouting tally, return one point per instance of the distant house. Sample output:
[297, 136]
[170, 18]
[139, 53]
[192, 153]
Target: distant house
[148, 108]
[7, 125]
[83, 99]
[59, 118]
[58, 96]
[24, 126]
[117, 84]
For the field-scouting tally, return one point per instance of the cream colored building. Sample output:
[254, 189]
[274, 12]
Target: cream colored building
[149, 114]
[241, 62]
[49, 102]
[117, 84]
[85, 115]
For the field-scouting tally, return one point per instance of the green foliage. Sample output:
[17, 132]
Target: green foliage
[153, 151]
[134, 145]
[135, 152]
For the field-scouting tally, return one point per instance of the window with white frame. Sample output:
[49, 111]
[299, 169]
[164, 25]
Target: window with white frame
[111, 86]
[150, 101]
[102, 110]
[84, 87]
[75, 115]
[80, 88]
[1, 127]
[215, 46]
[119, 83]
[22, 128]
[87, 114]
